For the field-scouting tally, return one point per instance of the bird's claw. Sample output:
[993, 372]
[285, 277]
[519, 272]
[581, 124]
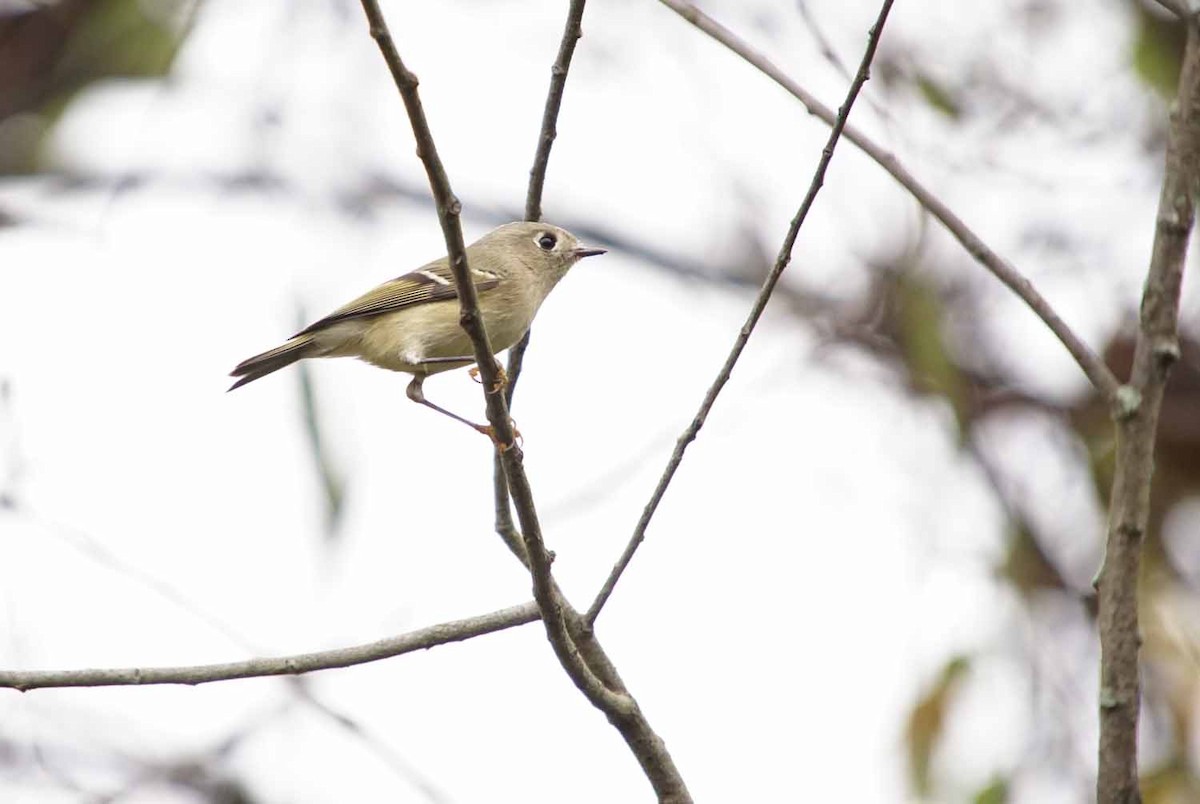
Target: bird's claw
[501, 378]
[502, 447]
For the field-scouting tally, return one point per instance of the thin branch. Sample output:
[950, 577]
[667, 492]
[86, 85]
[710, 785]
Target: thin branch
[620, 708]
[93, 549]
[572, 32]
[1098, 373]
[760, 304]
[425, 638]
[1156, 351]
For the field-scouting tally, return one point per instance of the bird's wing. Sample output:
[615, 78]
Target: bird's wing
[432, 283]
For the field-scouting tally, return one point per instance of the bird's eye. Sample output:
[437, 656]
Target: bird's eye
[546, 241]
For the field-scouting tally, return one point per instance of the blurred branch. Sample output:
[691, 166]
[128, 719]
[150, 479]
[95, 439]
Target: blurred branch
[361, 196]
[454, 631]
[620, 707]
[1156, 352]
[1099, 374]
[1177, 7]
[327, 472]
[760, 304]
[379, 747]
[95, 550]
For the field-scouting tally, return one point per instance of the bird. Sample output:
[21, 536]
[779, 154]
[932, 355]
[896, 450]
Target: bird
[411, 323]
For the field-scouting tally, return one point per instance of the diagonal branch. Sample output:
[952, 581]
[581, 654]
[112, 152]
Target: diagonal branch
[760, 304]
[616, 703]
[1156, 351]
[423, 639]
[1098, 373]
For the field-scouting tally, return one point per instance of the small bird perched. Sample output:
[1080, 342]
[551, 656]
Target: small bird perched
[410, 323]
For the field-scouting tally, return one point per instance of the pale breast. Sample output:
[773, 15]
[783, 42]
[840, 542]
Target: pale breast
[399, 341]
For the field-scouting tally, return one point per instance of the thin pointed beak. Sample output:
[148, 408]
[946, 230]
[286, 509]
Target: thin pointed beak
[589, 252]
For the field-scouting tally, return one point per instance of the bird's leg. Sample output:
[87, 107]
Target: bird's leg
[501, 377]
[417, 395]
[431, 360]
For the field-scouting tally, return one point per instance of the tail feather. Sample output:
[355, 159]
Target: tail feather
[271, 361]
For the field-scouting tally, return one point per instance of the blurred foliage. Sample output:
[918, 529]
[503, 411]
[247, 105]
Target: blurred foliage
[50, 51]
[1172, 783]
[939, 96]
[902, 320]
[919, 313]
[927, 721]
[994, 793]
[1026, 565]
[922, 326]
[1158, 48]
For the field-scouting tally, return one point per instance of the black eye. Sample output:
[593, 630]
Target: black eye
[546, 241]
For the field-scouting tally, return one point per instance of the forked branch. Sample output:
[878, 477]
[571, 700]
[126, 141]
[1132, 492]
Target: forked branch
[616, 703]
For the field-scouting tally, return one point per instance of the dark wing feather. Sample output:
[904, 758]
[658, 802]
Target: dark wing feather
[418, 287]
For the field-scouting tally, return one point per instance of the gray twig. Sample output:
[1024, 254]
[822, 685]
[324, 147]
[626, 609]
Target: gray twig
[756, 311]
[425, 638]
[572, 32]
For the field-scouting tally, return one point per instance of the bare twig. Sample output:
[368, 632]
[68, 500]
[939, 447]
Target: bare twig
[1156, 351]
[620, 708]
[756, 311]
[1098, 373]
[572, 32]
[425, 638]
[93, 549]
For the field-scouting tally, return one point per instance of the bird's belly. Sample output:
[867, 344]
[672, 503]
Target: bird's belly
[400, 341]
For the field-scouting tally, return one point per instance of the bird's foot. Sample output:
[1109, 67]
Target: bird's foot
[501, 378]
[501, 446]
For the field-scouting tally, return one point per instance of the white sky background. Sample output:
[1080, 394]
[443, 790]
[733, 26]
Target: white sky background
[821, 553]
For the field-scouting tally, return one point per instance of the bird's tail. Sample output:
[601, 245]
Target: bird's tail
[273, 360]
